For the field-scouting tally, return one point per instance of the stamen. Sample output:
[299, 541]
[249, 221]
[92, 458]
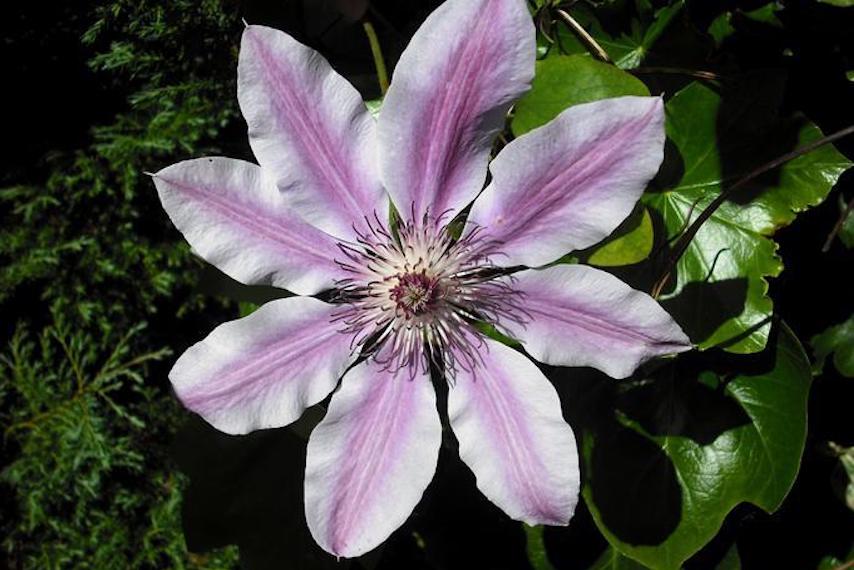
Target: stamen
[413, 294]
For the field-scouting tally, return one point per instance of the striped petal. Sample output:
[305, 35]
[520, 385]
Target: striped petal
[264, 370]
[371, 457]
[569, 184]
[581, 316]
[235, 219]
[465, 66]
[507, 418]
[311, 129]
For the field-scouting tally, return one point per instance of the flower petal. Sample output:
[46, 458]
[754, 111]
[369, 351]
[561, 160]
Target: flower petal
[569, 184]
[235, 219]
[507, 418]
[371, 457]
[465, 66]
[581, 316]
[263, 370]
[311, 129]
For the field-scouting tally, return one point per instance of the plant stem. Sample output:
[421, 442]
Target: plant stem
[843, 216]
[685, 239]
[582, 34]
[377, 52]
[699, 74]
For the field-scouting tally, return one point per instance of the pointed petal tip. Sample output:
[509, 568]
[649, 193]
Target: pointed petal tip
[370, 459]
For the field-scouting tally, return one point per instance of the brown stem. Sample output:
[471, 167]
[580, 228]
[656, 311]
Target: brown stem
[582, 34]
[685, 239]
[699, 74]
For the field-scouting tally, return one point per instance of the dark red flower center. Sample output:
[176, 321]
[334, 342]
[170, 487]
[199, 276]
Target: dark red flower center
[414, 293]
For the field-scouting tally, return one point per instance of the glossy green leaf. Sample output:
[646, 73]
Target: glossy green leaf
[720, 295]
[693, 441]
[837, 340]
[631, 243]
[839, 3]
[563, 81]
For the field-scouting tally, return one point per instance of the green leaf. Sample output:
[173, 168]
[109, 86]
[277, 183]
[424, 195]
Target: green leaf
[721, 28]
[846, 472]
[838, 3]
[690, 443]
[833, 562]
[631, 242]
[566, 80]
[720, 295]
[766, 14]
[837, 340]
[731, 560]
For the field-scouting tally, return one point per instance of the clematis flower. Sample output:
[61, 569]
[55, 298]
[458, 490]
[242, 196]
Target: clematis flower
[406, 295]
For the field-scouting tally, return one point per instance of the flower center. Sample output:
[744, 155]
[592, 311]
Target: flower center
[413, 294]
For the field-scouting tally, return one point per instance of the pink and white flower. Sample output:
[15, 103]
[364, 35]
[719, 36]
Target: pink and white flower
[406, 295]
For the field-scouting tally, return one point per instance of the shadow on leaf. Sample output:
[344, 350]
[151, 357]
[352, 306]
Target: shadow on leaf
[702, 307]
[682, 404]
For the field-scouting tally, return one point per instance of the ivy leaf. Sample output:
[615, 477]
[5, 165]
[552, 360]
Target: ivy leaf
[691, 442]
[641, 43]
[715, 142]
[630, 243]
[566, 80]
[724, 26]
[839, 341]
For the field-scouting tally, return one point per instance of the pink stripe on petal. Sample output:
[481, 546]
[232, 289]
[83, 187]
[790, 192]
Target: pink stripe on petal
[264, 370]
[311, 129]
[507, 418]
[465, 66]
[235, 219]
[581, 316]
[371, 458]
[570, 183]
